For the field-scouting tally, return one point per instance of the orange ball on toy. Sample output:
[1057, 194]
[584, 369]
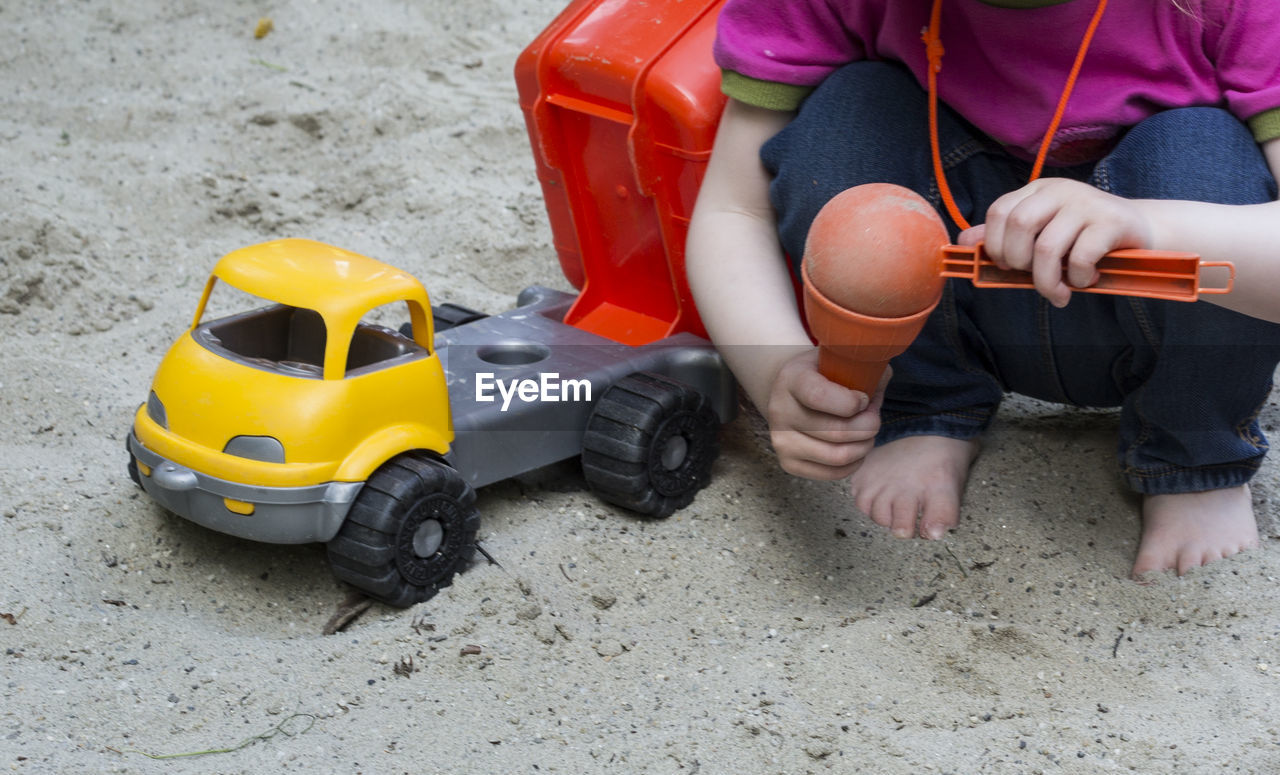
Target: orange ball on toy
[871, 276]
[875, 249]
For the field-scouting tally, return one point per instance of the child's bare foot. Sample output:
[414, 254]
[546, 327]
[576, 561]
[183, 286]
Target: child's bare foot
[914, 478]
[1189, 529]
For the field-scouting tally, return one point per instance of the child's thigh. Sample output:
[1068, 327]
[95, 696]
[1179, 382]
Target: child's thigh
[868, 122]
[1200, 154]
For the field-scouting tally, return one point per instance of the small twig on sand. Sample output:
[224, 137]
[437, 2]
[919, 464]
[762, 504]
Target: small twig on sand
[348, 611]
[278, 729]
[271, 65]
[920, 602]
[487, 556]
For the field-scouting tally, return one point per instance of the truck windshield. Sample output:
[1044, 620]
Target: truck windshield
[278, 338]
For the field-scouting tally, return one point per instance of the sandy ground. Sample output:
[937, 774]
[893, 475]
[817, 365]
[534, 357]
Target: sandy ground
[768, 628]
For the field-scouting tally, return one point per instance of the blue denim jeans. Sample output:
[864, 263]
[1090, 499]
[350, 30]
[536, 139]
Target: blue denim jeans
[1189, 378]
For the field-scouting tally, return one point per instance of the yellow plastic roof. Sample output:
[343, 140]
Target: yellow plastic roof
[303, 273]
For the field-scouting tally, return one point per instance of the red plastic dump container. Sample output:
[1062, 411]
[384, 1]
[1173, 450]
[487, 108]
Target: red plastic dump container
[621, 99]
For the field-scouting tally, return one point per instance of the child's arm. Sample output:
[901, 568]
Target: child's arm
[742, 285]
[1037, 225]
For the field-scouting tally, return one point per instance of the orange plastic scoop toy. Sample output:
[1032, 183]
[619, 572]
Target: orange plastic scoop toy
[1154, 274]
[874, 265]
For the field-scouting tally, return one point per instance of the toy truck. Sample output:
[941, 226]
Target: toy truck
[300, 422]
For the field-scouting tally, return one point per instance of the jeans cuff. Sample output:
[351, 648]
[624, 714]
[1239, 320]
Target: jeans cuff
[962, 425]
[1174, 480]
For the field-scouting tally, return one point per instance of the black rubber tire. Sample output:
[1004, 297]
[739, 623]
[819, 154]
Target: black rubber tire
[133, 465]
[650, 444]
[411, 528]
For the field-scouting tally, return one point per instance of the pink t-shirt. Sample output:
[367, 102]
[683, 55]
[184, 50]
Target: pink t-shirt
[1004, 68]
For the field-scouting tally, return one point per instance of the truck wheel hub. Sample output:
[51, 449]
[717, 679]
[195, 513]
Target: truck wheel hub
[674, 452]
[427, 538]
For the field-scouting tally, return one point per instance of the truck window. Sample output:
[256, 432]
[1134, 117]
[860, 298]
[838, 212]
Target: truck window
[378, 344]
[289, 340]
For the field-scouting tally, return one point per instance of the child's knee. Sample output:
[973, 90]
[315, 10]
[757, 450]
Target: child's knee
[1201, 154]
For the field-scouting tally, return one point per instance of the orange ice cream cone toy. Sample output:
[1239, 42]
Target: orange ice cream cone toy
[872, 274]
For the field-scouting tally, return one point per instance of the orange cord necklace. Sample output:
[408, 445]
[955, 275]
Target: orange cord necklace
[933, 50]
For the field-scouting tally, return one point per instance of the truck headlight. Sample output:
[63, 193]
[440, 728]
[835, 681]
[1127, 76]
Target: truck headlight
[155, 410]
[265, 448]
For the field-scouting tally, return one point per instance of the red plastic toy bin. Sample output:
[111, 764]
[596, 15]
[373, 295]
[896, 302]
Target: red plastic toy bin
[621, 99]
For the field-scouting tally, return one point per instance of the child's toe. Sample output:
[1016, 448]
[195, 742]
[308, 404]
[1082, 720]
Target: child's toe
[905, 512]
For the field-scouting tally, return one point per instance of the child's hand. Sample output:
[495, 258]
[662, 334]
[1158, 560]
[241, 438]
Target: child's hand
[820, 430]
[1054, 221]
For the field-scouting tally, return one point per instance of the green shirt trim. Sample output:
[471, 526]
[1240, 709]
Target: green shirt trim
[1266, 125]
[763, 94]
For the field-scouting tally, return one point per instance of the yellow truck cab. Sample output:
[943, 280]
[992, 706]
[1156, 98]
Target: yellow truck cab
[266, 424]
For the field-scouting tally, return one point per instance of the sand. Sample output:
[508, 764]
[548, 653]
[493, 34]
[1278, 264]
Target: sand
[767, 628]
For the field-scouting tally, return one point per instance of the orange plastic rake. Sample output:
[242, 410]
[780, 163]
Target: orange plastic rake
[1153, 274]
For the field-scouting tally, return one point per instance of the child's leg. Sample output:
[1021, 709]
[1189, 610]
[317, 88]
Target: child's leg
[869, 123]
[1198, 374]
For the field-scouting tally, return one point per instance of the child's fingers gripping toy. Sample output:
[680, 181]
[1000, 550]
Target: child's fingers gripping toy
[874, 264]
